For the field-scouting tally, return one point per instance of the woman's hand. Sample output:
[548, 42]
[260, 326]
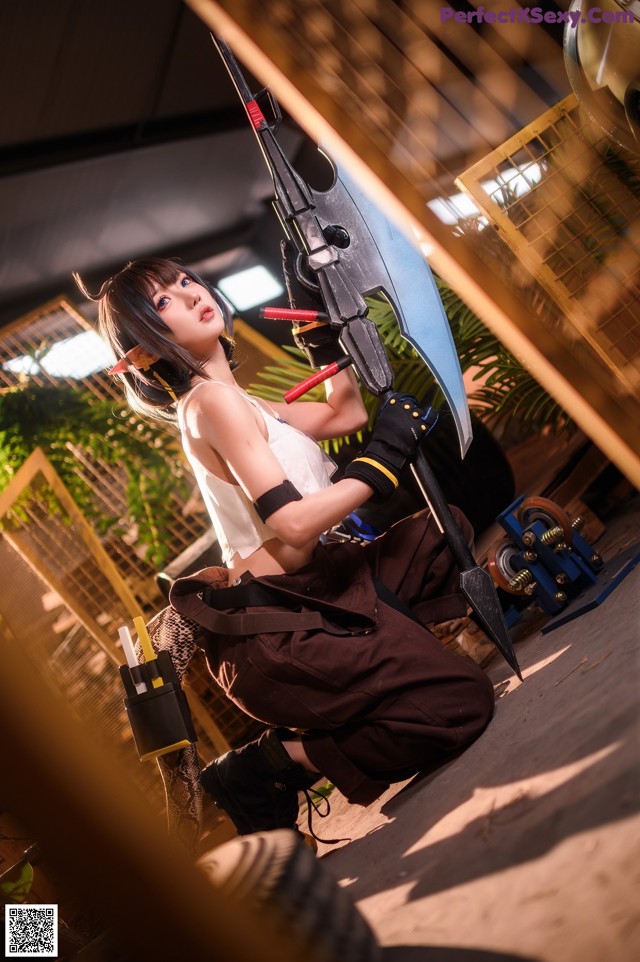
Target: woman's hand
[399, 430]
[343, 413]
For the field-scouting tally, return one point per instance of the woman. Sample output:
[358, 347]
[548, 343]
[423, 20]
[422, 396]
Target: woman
[326, 640]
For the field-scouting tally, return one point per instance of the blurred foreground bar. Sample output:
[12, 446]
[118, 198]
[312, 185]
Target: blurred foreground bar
[410, 103]
[111, 851]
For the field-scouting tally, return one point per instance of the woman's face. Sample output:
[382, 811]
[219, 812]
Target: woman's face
[190, 312]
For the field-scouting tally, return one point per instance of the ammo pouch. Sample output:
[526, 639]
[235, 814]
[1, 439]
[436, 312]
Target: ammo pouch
[160, 718]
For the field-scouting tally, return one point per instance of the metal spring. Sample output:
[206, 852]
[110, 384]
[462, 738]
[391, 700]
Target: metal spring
[552, 535]
[521, 580]
[578, 523]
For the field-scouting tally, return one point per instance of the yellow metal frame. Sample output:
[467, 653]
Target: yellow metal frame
[59, 303]
[470, 182]
[38, 464]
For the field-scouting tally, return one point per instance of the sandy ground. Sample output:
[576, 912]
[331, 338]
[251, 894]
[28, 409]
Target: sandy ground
[527, 846]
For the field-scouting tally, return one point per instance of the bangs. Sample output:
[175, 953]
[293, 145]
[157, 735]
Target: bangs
[142, 277]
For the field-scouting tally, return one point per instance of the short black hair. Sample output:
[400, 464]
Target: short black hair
[127, 317]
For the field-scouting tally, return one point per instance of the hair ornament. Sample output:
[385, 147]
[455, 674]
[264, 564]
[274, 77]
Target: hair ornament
[138, 357]
[165, 385]
[142, 359]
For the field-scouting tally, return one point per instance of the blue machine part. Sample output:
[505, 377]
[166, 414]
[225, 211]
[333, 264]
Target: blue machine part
[553, 564]
[609, 577]
[557, 570]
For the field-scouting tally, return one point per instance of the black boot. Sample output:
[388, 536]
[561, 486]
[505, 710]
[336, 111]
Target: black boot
[257, 785]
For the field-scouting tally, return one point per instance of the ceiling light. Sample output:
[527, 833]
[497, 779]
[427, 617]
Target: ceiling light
[75, 357]
[250, 287]
[457, 207]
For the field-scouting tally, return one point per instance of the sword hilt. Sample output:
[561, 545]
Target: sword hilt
[314, 379]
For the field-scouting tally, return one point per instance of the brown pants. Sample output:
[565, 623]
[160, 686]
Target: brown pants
[381, 699]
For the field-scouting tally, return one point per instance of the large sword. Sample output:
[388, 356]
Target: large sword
[353, 250]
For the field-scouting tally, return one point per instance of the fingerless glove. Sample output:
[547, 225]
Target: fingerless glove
[399, 429]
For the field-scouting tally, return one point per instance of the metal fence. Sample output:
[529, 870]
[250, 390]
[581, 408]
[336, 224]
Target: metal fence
[567, 202]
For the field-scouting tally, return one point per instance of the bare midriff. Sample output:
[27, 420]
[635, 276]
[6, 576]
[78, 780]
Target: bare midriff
[274, 557]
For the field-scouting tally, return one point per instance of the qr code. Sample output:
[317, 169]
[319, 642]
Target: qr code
[31, 930]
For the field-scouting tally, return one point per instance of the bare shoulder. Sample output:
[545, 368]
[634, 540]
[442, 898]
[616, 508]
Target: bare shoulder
[215, 410]
[207, 396]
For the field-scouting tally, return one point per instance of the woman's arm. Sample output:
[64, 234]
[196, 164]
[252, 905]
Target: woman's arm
[299, 521]
[342, 413]
[224, 421]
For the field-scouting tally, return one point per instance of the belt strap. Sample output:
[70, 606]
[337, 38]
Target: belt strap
[205, 609]
[253, 594]
[263, 623]
[386, 594]
[205, 612]
[244, 596]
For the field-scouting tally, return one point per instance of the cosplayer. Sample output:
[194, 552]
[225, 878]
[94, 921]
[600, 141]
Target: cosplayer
[324, 642]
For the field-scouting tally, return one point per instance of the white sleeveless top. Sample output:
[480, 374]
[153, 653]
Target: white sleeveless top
[235, 521]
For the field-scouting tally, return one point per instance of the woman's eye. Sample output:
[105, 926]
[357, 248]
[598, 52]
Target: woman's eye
[162, 302]
[185, 281]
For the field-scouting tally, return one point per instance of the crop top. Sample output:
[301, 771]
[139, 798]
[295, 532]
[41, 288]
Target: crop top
[235, 521]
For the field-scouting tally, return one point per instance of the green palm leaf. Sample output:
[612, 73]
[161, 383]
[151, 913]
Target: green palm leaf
[60, 418]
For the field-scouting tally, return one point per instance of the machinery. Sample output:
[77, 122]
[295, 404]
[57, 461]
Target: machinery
[544, 558]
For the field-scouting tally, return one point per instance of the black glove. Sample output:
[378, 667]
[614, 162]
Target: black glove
[399, 429]
[316, 338]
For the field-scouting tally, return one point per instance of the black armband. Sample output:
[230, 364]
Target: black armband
[275, 498]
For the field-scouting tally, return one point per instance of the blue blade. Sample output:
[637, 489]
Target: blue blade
[383, 257]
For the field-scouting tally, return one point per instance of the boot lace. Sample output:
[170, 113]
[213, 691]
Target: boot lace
[321, 811]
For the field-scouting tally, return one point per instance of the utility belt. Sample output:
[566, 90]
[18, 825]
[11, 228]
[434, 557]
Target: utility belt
[252, 622]
[255, 594]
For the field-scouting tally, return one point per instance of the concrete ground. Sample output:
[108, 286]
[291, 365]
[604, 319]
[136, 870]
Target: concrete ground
[527, 846]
